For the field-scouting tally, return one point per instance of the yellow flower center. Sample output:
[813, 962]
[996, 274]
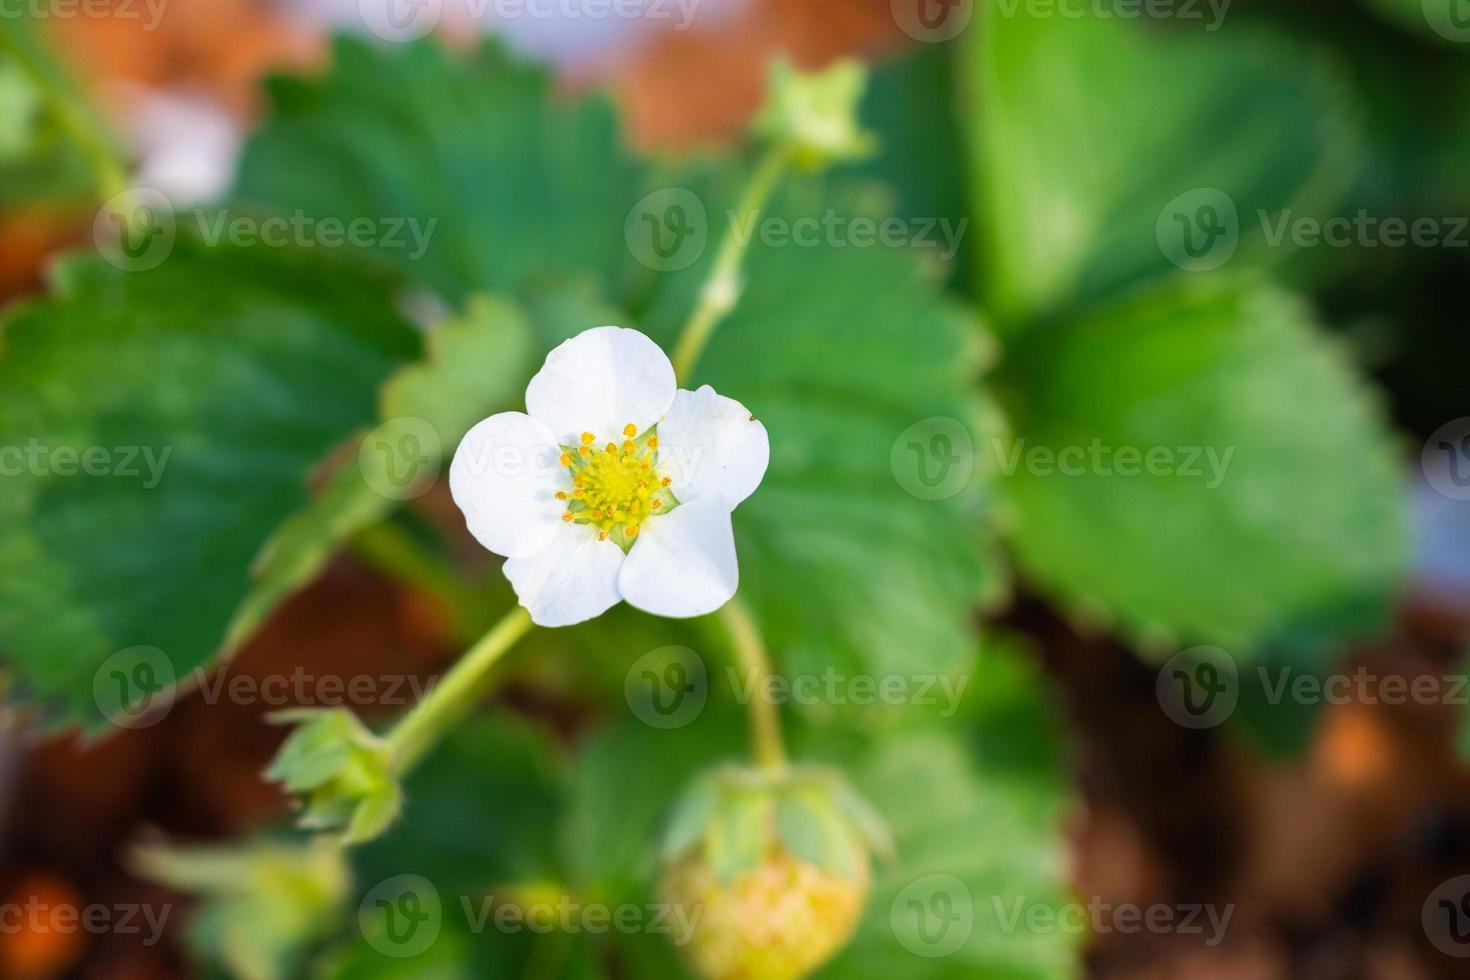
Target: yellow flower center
[616, 488]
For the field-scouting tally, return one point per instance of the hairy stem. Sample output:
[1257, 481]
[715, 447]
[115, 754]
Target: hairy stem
[455, 694]
[722, 288]
[765, 719]
[66, 108]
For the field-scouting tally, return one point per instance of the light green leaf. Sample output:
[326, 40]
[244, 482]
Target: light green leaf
[1273, 500]
[202, 392]
[1094, 138]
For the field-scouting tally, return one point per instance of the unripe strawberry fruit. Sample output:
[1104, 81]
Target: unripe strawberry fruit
[773, 869]
[778, 921]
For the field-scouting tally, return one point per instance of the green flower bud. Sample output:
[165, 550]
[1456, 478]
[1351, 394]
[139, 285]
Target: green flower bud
[264, 905]
[342, 772]
[815, 114]
[774, 868]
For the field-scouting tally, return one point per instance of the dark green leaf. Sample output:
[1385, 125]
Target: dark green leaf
[205, 391]
[1274, 498]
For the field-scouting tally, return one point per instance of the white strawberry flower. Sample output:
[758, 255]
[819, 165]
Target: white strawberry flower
[614, 484]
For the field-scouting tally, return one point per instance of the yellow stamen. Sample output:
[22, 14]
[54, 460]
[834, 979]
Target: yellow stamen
[630, 430]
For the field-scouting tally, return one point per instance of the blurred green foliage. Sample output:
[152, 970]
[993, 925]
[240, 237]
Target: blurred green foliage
[1062, 149]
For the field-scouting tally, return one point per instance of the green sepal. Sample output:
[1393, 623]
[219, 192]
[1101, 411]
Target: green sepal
[735, 816]
[342, 772]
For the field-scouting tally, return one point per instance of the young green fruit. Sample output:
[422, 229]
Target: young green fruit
[773, 868]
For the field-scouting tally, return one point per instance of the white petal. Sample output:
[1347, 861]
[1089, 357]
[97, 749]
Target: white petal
[504, 477]
[598, 382]
[710, 444]
[683, 563]
[573, 579]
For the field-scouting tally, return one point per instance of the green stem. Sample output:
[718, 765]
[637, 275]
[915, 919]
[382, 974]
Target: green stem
[455, 694]
[722, 288]
[765, 719]
[83, 130]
